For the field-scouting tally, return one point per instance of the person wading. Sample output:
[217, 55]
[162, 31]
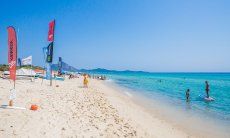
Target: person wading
[187, 94]
[207, 88]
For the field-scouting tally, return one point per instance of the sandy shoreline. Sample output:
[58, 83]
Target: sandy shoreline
[72, 111]
[191, 123]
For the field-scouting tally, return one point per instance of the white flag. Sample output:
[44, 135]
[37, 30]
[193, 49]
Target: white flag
[27, 61]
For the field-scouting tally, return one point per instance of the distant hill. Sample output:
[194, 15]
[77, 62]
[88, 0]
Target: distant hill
[95, 70]
[65, 67]
[106, 71]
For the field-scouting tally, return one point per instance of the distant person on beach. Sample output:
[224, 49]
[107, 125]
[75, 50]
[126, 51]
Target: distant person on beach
[187, 95]
[85, 81]
[207, 88]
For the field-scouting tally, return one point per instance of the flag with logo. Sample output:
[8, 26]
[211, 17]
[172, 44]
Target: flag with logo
[48, 54]
[26, 61]
[12, 52]
[49, 57]
[19, 62]
[51, 31]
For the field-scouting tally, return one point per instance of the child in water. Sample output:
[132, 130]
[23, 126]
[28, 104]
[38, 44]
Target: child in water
[85, 81]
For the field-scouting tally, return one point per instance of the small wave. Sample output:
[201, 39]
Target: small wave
[109, 80]
[128, 94]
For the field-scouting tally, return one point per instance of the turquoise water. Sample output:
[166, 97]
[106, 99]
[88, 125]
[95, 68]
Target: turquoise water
[171, 87]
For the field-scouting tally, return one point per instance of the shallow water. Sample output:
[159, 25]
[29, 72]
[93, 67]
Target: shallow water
[170, 88]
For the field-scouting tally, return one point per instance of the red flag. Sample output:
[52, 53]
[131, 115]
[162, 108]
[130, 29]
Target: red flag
[12, 52]
[51, 31]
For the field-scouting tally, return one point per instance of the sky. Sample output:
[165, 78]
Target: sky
[147, 35]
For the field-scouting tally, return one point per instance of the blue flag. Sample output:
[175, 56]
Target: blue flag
[48, 65]
[19, 62]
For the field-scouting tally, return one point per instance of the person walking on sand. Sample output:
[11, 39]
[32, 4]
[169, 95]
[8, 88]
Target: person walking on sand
[85, 81]
[187, 94]
[207, 88]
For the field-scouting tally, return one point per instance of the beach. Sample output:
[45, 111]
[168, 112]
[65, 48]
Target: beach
[70, 110]
[115, 69]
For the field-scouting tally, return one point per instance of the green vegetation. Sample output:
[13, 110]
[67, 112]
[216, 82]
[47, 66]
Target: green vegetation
[5, 67]
[29, 67]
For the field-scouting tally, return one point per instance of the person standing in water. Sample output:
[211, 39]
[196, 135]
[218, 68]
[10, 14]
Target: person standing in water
[187, 95]
[207, 88]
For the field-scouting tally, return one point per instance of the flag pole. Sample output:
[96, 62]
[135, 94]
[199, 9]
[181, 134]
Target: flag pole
[50, 73]
[12, 58]
[17, 33]
[31, 72]
[53, 51]
[11, 100]
[50, 50]
[14, 84]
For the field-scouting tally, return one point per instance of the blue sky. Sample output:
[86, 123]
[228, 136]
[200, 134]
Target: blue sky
[149, 35]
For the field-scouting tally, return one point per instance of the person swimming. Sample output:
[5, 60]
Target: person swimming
[207, 88]
[187, 94]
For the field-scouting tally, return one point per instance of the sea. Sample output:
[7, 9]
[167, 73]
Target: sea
[169, 89]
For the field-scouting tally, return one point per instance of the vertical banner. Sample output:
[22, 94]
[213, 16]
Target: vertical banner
[48, 71]
[45, 56]
[19, 62]
[12, 52]
[51, 31]
[49, 59]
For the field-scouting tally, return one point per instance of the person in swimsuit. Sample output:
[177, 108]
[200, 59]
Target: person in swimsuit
[187, 95]
[85, 81]
[207, 88]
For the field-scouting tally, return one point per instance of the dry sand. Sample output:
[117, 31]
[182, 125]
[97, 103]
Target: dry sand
[73, 111]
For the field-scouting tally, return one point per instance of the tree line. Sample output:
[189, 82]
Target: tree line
[5, 67]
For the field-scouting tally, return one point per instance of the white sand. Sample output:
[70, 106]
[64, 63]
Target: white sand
[72, 111]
